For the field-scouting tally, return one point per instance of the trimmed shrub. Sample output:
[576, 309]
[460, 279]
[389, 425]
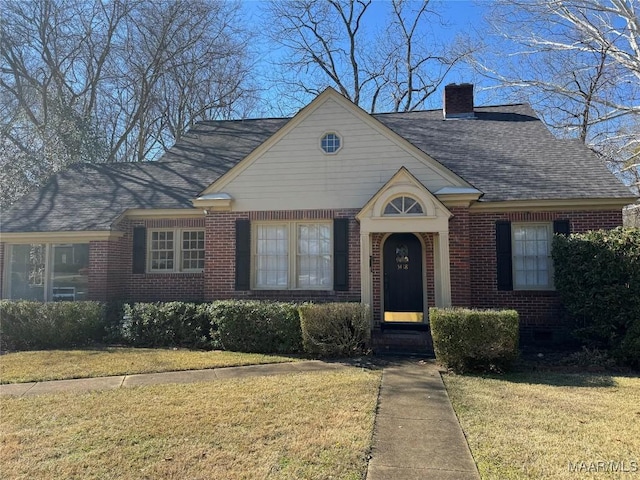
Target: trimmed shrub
[597, 275]
[474, 340]
[255, 326]
[28, 325]
[169, 324]
[335, 329]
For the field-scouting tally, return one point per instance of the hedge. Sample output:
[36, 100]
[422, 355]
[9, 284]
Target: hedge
[255, 326]
[168, 324]
[597, 275]
[474, 340]
[335, 329]
[29, 325]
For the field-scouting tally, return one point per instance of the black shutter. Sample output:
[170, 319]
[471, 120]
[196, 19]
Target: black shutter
[341, 254]
[139, 259]
[503, 255]
[243, 254]
[562, 227]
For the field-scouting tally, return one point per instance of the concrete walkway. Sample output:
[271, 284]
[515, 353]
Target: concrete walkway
[187, 376]
[416, 434]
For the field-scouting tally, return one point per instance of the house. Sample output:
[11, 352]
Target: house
[631, 215]
[402, 211]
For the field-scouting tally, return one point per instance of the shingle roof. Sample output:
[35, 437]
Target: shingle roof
[506, 152]
[509, 154]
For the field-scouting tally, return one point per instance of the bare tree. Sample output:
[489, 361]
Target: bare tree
[327, 43]
[578, 63]
[94, 80]
[415, 64]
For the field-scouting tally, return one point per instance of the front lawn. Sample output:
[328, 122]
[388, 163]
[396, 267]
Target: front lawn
[311, 426]
[65, 364]
[550, 425]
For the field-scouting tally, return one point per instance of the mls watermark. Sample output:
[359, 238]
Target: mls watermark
[605, 466]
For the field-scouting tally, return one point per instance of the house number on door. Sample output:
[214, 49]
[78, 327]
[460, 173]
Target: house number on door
[402, 257]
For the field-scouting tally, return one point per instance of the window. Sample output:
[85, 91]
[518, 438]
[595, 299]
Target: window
[176, 250]
[330, 143]
[532, 266]
[272, 260]
[403, 206]
[314, 255]
[193, 250]
[293, 255]
[47, 272]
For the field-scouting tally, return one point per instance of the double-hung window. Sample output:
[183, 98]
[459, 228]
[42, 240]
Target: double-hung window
[293, 255]
[531, 248]
[177, 250]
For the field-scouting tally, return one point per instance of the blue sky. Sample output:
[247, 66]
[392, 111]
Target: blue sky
[459, 17]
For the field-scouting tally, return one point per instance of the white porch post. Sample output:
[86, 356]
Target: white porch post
[366, 295]
[442, 267]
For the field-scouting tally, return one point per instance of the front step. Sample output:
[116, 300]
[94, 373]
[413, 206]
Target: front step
[403, 341]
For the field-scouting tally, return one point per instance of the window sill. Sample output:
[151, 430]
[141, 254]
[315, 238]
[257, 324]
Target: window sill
[169, 274]
[285, 289]
[535, 293]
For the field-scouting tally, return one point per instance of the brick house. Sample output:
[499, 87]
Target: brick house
[401, 211]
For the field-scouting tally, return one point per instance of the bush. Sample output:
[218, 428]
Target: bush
[628, 353]
[474, 340]
[256, 326]
[28, 325]
[170, 324]
[335, 329]
[597, 275]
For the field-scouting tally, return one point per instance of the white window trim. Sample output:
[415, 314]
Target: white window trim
[404, 214]
[332, 132]
[177, 250]
[292, 254]
[548, 287]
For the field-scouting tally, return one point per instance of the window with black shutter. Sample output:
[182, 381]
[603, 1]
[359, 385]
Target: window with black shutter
[503, 255]
[139, 254]
[341, 254]
[243, 254]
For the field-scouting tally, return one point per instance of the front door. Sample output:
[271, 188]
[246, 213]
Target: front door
[403, 300]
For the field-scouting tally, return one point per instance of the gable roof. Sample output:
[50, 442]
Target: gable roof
[94, 196]
[358, 114]
[506, 152]
[509, 154]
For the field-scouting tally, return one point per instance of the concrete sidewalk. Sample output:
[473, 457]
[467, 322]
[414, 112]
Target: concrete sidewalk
[187, 376]
[417, 434]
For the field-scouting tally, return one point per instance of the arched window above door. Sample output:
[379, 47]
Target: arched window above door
[403, 206]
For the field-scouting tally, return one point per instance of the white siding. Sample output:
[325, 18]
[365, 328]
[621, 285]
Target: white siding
[296, 174]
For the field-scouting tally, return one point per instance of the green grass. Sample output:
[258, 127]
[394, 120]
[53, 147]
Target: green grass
[65, 364]
[300, 426]
[538, 425]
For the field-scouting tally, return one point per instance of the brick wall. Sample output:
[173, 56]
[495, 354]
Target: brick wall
[219, 277]
[2, 271]
[540, 311]
[460, 257]
[472, 254]
[151, 287]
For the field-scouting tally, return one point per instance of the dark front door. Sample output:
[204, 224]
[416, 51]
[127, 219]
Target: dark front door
[403, 276]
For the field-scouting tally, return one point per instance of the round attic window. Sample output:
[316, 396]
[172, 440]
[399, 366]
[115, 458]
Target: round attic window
[330, 143]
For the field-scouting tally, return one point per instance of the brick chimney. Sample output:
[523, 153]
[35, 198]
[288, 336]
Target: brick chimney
[458, 101]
